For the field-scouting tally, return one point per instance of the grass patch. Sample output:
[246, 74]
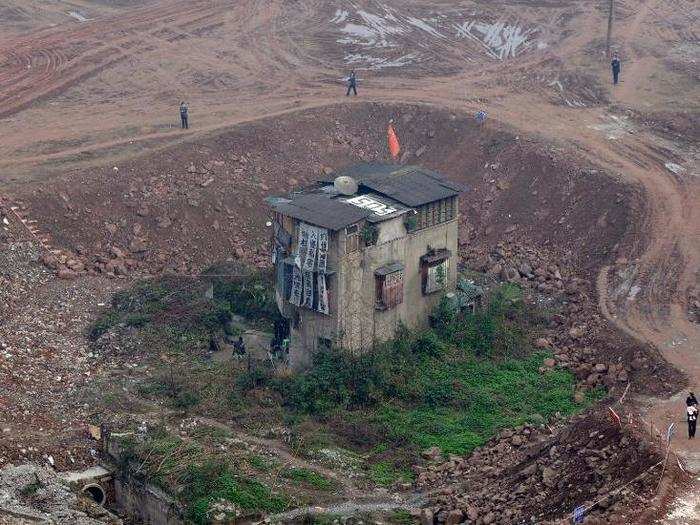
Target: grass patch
[261, 463]
[385, 474]
[453, 386]
[302, 476]
[214, 481]
[186, 311]
[402, 517]
[197, 476]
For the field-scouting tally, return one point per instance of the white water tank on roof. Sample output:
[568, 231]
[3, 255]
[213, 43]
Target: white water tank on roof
[345, 185]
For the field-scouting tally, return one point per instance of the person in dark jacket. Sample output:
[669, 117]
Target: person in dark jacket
[183, 114]
[615, 64]
[692, 412]
[352, 84]
[691, 400]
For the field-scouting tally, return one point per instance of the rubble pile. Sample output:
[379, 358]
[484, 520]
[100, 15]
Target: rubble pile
[34, 494]
[45, 360]
[537, 471]
[580, 338]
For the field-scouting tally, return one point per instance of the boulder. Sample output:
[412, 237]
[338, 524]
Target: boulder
[431, 454]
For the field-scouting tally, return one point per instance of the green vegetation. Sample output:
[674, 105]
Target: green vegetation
[213, 481]
[402, 517]
[308, 477]
[453, 386]
[199, 477]
[260, 463]
[385, 474]
[178, 311]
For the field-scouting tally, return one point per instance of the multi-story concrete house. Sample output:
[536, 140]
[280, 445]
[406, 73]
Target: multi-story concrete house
[359, 255]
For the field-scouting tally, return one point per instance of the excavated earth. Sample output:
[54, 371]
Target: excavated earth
[584, 193]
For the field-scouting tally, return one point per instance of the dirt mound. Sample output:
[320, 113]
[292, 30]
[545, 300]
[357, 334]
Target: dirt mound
[542, 473]
[189, 206]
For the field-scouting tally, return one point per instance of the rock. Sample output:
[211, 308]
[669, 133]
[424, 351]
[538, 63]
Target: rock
[65, 273]
[489, 518]
[549, 363]
[431, 454]
[50, 261]
[142, 211]
[116, 252]
[507, 433]
[472, 512]
[426, 517]
[622, 377]
[542, 343]
[454, 517]
[637, 364]
[327, 170]
[516, 441]
[600, 367]
[549, 477]
[164, 222]
[525, 270]
[579, 397]
[576, 332]
[138, 245]
[111, 228]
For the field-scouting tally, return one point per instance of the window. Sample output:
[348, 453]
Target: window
[388, 286]
[435, 271]
[352, 238]
[435, 213]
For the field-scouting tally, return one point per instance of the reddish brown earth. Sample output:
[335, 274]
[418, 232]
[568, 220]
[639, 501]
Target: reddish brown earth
[263, 80]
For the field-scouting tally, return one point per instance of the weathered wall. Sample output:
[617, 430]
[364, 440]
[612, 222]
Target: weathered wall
[145, 504]
[359, 323]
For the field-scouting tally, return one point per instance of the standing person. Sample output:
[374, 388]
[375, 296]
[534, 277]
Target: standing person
[183, 114]
[352, 84]
[615, 64]
[692, 420]
[691, 400]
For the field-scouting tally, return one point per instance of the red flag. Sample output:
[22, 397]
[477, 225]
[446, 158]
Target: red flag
[394, 147]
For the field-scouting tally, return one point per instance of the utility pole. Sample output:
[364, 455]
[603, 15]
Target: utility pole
[610, 25]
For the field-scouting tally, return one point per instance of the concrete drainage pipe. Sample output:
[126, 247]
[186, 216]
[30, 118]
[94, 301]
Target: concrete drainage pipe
[96, 492]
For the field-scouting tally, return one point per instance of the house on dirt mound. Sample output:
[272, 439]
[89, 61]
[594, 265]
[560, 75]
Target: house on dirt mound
[359, 255]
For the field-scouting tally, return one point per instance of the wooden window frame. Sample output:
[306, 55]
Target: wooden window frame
[388, 290]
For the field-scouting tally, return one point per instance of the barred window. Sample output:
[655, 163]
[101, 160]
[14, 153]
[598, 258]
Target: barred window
[352, 238]
[435, 271]
[389, 286]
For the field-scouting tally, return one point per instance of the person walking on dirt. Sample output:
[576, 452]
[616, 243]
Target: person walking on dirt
[692, 421]
[615, 64]
[691, 400]
[352, 84]
[183, 114]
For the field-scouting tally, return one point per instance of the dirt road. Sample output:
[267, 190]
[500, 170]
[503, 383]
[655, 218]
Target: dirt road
[83, 93]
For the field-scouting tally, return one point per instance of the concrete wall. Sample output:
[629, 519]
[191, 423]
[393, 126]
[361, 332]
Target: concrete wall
[354, 322]
[360, 324]
[143, 503]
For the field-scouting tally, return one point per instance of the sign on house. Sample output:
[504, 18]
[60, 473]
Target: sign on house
[366, 202]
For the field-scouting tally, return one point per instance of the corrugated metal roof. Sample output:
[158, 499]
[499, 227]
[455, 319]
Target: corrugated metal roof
[321, 210]
[409, 185]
